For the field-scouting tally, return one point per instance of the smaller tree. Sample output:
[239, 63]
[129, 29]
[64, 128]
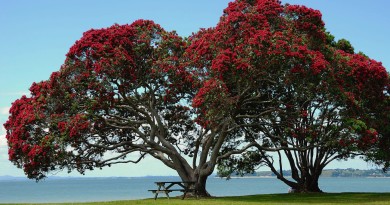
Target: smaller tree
[287, 88]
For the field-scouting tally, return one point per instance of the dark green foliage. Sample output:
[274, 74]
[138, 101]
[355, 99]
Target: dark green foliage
[345, 46]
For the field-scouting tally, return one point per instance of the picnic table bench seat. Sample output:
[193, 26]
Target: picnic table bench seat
[170, 190]
[184, 187]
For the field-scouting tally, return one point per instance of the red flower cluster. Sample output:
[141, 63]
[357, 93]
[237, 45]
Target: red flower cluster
[78, 125]
[212, 89]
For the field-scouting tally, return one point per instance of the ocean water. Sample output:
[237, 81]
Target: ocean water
[107, 189]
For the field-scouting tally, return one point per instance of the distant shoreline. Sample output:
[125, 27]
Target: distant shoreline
[274, 177]
[233, 177]
[326, 173]
[247, 177]
[362, 173]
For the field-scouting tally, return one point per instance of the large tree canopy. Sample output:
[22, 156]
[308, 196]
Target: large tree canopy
[117, 92]
[267, 79]
[123, 91]
[289, 89]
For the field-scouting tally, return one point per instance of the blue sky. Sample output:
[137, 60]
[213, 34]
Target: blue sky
[36, 35]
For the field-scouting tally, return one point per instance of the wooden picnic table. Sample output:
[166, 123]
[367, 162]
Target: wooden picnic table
[167, 187]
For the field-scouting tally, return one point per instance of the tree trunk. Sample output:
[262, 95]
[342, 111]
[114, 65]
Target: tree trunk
[306, 180]
[200, 183]
[199, 179]
[309, 184]
[200, 186]
[305, 188]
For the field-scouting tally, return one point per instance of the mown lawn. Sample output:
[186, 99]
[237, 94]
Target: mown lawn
[323, 199]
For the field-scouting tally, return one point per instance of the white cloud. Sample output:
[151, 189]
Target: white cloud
[4, 110]
[20, 93]
[3, 140]
[2, 130]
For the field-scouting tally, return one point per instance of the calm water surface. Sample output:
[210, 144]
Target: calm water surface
[108, 189]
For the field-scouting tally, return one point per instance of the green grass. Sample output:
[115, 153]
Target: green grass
[266, 199]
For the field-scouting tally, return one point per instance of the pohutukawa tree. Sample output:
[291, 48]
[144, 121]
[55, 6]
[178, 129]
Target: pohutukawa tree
[122, 90]
[288, 90]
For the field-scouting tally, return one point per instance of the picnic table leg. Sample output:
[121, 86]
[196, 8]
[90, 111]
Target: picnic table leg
[165, 189]
[155, 195]
[158, 191]
[184, 195]
[166, 193]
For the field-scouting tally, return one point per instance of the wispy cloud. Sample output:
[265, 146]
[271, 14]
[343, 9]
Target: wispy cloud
[18, 93]
[3, 140]
[4, 110]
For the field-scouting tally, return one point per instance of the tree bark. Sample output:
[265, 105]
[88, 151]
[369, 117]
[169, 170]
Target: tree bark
[200, 186]
[305, 181]
[199, 179]
[307, 184]
[197, 175]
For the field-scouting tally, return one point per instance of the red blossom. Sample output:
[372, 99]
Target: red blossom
[304, 113]
[62, 126]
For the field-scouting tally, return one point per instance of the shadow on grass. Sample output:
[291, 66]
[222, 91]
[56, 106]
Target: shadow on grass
[315, 198]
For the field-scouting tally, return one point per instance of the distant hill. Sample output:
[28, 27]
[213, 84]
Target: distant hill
[354, 173]
[330, 173]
